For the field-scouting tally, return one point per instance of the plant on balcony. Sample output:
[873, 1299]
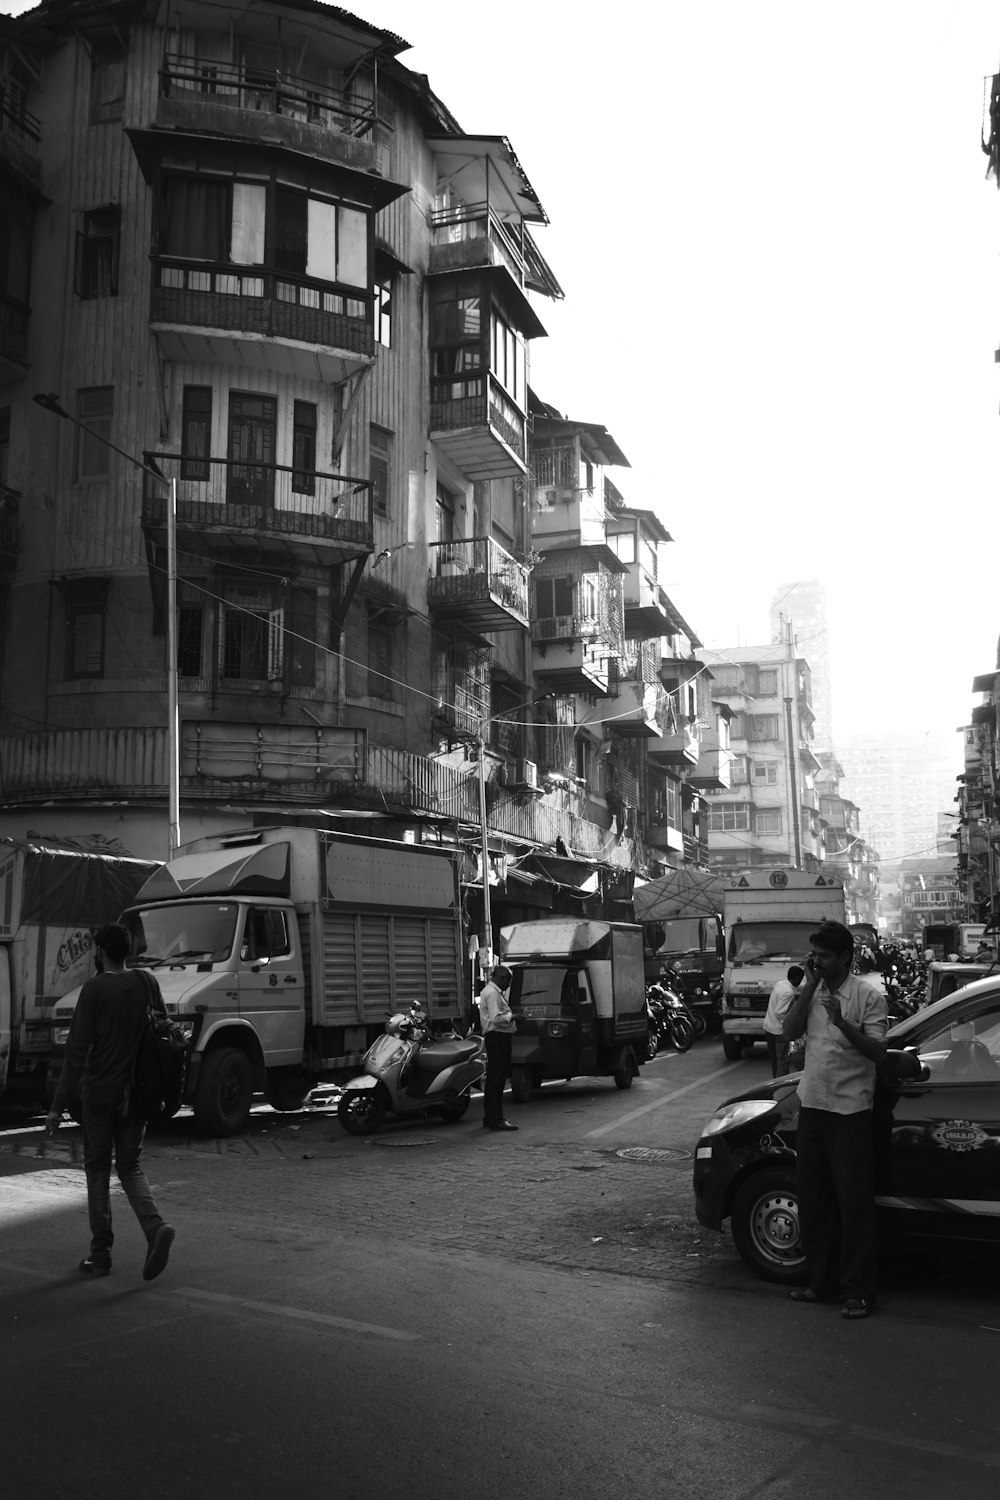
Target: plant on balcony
[529, 559]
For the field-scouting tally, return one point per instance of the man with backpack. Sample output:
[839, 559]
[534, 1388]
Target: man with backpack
[108, 1024]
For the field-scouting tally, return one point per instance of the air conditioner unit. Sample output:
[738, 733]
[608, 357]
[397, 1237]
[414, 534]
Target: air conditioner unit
[525, 773]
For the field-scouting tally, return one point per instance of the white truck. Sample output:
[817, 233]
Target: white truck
[51, 900]
[281, 950]
[769, 915]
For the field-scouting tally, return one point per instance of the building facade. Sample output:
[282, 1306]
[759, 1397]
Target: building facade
[798, 610]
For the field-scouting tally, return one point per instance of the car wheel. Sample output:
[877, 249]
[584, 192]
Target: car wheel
[765, 1225]
[732, 1047]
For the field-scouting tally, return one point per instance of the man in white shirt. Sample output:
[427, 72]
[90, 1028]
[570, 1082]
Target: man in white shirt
[499, 1026]
[780, 999]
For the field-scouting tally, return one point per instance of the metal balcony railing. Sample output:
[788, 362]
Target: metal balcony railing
[465, 567]
[466, 222]
[266, 90]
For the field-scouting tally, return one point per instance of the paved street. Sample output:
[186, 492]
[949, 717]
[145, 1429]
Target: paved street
[437, 1312]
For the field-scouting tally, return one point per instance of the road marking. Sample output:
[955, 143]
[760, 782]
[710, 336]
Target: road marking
[274, 1309]
[657, 1103]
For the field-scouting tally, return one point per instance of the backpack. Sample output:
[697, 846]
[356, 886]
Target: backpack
[160, 1062]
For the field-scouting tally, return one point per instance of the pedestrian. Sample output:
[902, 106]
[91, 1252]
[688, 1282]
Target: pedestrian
[780, 999]
[100, 1055]
[498, 1034]
[843, 1018]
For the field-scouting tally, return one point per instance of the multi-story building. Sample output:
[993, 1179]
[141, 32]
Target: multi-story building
[901, 781]
[848, 856]
[929, 892]
[771, 813]
[798, 611]
[279, 307]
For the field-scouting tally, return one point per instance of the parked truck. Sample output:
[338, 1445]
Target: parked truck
[964, 939]
[579, 997]
[282, 950]
[769, 915]
[51, 900]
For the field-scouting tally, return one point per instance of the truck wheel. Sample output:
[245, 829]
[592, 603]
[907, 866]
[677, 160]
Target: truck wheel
[765, 1225]
[361, 1111]
[732, 1047]
[452, 1113]
[225, 1089]
[521, 1082]
[624, 1075]
[287, 1089]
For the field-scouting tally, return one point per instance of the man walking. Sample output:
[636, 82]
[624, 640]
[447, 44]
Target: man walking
[100, 1055]
[498, 1034]
[844, 1020]
[780, 999]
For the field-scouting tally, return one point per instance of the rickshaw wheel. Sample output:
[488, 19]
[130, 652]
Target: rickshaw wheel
[521, 1082]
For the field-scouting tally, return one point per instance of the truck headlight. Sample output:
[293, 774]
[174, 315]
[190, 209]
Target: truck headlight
[740, 1112]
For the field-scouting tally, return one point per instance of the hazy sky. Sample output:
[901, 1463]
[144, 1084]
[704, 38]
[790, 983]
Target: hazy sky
[780, 258]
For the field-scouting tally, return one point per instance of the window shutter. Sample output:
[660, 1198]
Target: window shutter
[275, 643]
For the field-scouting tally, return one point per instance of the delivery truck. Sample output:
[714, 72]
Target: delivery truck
[579, 998]
[769, 915]
[282, 950]
[51, 900]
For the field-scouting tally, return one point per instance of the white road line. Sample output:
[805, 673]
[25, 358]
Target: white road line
[274, 1309]
[658, 1103]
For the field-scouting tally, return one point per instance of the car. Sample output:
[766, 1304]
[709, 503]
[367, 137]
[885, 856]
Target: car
[936, 1140]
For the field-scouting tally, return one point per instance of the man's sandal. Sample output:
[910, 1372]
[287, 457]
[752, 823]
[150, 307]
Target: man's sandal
[857, 1307]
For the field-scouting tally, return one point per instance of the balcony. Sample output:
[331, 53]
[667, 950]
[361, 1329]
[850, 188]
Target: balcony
[674, 669]
[260, 320]
[204, 97]
[13, 340]
[461, 683]
[679, 749]
[234, 512]
[20, 134]
[469, 236]
[663, 836]
[646, 614]
[567, 655]
[475, 422]
[477, 585]
[564, 512]
[633, 712]
[713, 772]
[10, 541]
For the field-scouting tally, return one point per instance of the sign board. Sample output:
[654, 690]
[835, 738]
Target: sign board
[273, 753]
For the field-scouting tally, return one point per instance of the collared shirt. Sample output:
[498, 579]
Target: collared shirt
[836, 1076]
[494, 1012]
[782, 995]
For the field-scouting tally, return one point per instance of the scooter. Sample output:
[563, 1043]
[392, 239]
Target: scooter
[673, 1019]
[411, 1072]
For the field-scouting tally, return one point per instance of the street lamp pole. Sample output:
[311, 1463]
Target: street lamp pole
[486, 953]
[50, 402]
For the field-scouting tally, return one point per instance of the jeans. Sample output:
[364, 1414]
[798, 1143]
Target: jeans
[498, 1050]
[104, 1132]
[777, 1052]
[836, 1187]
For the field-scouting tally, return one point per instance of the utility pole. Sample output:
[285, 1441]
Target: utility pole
[486, 950]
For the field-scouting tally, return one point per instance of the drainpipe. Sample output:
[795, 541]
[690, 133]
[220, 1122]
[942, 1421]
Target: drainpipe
[794, 781]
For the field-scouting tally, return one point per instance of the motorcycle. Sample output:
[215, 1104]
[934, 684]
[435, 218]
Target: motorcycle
[409, 1071]
[674, 1022]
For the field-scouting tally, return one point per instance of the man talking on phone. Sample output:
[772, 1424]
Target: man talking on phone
[844, 1020]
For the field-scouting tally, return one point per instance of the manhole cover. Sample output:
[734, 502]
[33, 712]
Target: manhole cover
[653, 1153]
[399, 1140]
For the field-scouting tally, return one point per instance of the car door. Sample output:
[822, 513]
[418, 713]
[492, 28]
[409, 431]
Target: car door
[272, 992]
[940, 1173]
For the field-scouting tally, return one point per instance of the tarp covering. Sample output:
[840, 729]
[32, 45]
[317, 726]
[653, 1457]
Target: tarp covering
[679, 893]
[260, 871]
[83, 890]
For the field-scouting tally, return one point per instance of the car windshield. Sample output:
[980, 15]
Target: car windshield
[184, 932]
[751, 942]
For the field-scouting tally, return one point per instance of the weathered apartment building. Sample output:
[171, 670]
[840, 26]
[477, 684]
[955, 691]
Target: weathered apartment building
[249, 259]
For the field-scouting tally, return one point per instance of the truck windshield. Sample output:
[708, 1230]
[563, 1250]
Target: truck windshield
[751, 942]
[189, 930]
[555, 987]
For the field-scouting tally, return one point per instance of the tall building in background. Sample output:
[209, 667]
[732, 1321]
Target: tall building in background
[802, 605]
[902, 783]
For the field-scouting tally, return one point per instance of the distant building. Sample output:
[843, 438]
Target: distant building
[801, 607]
[901, 783]
[929, 892]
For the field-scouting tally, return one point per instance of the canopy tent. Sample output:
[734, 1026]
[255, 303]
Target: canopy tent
[679, 893]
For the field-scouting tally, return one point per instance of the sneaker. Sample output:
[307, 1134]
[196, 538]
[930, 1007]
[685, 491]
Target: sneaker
[158, 1253]
[91, 1267]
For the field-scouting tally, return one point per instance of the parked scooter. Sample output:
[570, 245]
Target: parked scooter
[674, 1022]
[411, 1072]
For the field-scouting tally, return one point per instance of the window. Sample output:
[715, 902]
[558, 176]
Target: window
[97, 250]
[507, 358]
[379, 660]
[738, 773]
[252, 438]
[107, 83]
[251, 634]
[300, 637]
[622, 543]
[190, 639]
[767, 684]
[196, 432]
[553, 597]
[265, 934]
[304, 448]
[371, 657]
[196, 217]
[321, 239]
[768, 821]
[584, 756]
[379, 458]
[729, 817]
[762, 726]
[765, 772]
[94, 408]
[444, 519]
[457, 355]
[86, 614]
[383, 313]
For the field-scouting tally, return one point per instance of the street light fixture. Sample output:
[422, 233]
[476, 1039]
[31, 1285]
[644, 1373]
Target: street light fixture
[50, 402]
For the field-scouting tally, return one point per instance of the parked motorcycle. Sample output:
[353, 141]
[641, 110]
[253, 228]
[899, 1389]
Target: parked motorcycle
[411, 1072]
[674, 1023]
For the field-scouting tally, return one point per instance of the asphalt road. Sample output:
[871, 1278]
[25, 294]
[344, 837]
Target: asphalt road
[440, 1312]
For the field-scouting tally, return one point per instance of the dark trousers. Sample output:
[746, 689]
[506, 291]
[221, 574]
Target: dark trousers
[777, 1054]
[836, 1188]
[498, 1049]
[104, 1133]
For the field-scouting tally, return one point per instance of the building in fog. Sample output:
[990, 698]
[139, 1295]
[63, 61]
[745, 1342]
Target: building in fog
[800, 608]
[901, 783]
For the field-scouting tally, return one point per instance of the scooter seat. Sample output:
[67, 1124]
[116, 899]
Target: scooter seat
[437, 1056]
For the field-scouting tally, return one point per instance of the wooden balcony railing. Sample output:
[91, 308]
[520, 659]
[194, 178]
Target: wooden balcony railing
[266, 90]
